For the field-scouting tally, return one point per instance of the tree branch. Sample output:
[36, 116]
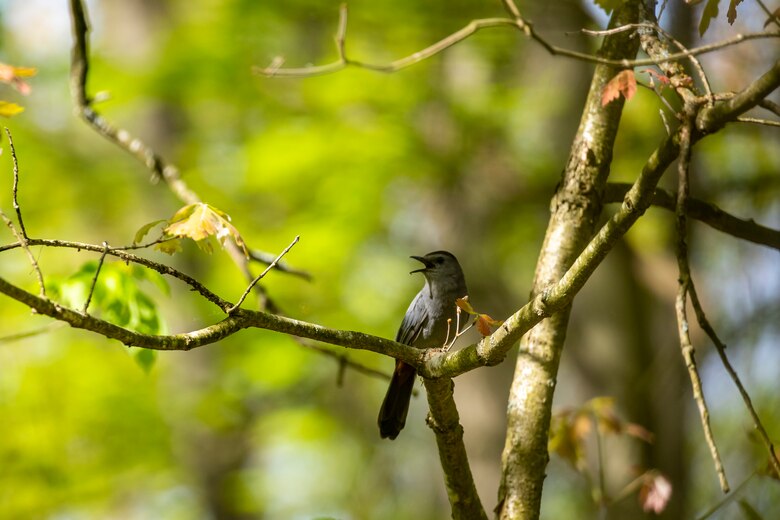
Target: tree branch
[474, 26]
[706, 213]
[445, 423]
[688, 352]
[155, 163]
[575, 210]
[715, 117]
[129, 257]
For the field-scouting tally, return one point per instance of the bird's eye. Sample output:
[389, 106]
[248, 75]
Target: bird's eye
[439, 260]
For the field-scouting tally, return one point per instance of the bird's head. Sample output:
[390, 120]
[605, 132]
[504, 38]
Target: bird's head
[439, 265]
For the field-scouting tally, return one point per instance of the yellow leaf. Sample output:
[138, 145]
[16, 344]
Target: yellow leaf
[464, 304]
[169, 247]
[9, 109]
[200, 221]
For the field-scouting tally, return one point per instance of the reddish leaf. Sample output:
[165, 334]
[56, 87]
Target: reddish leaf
[12, 75]
[655, 493]
[485, 323]
[639, 432]
[623, 83]
[657, 75]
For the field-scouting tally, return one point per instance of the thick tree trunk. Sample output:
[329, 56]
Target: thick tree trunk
[575, 210]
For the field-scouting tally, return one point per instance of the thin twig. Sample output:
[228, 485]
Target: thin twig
[261, 275]
[341, 32]
[665, 122]
[15, 188]
[129, 257]
[267, 258]
[602, 489]
[682, 296]
[694, 61]
[32, 333]
[154, 162]
[721, 348]
[728, 498]
[95, 278]
[770, 105]
[758, 121]
[773, 18]
[24, 244]
[478, 24]
[511, 8]
[704, 212]
[22, 237]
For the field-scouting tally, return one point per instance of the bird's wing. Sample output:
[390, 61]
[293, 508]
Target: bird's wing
[414, 320]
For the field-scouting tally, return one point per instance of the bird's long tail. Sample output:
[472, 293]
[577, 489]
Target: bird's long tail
[392, 415]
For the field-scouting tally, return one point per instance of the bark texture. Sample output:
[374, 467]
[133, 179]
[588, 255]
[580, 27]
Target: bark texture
[575, 210]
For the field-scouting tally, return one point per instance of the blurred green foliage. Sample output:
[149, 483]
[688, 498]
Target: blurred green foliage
[461, 152]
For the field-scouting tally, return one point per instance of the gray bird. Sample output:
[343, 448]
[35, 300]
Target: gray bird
[424, 326]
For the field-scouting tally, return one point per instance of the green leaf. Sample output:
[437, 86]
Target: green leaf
[608, 5]
[748, 511]
[117, 296]
[170, 246]
[464, 304]
[710, 12]
[145, 358]
[141, 233]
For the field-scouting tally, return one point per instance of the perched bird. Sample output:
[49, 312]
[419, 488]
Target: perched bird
[424, 326]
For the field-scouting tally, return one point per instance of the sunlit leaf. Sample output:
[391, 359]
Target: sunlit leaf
[141, 233]
[8, 109]
[116, 297]
[464, 304]
[655, 493]
[169, 246]
[202, 221]
[623, 83]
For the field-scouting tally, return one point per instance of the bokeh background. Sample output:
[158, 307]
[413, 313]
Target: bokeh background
[461, 152]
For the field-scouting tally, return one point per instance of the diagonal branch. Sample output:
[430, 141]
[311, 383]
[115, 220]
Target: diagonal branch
[721, 348]
[706, 213]
[21, 236]
[155, 163]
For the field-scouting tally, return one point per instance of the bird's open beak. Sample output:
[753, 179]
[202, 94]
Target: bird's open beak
[425, 262]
